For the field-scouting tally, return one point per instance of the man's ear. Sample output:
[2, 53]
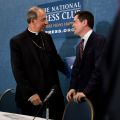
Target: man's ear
[32, 20]
[85, 22]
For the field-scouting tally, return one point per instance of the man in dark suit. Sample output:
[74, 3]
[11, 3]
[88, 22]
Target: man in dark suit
[82, 83]
[35, 63]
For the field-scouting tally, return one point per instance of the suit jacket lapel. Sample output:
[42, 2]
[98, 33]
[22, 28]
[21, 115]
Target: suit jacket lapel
[88, 44]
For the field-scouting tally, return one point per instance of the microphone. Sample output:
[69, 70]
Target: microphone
[52, 91]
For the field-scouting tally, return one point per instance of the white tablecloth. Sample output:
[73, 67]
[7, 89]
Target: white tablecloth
[13, 116]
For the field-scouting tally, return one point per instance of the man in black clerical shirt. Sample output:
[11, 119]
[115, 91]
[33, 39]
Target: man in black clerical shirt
[35, 63]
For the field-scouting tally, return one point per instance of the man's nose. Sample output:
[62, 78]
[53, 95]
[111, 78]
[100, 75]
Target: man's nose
[46, 22]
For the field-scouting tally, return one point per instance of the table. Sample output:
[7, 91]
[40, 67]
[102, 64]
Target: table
[13, 116]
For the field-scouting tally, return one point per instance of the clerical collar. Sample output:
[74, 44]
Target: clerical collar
[36, 33]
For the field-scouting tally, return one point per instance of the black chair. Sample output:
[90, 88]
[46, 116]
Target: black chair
[79, 111]
[7, 101]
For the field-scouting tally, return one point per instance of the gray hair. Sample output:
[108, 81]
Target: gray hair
[32, 13]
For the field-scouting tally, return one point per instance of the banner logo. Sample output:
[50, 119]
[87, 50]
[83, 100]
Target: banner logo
[60, 16]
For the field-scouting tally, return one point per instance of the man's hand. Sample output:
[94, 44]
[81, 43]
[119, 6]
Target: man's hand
[35, 99]
[70, 94]
[78, 96]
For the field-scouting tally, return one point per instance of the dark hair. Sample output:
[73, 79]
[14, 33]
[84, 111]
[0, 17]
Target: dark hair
[82, 15]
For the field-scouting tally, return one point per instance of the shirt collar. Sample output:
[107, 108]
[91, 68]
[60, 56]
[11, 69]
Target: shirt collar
[36, 33]
[86, 36]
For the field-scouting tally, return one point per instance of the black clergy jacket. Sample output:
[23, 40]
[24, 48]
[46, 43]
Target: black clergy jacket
[33, 73]
[82, 78]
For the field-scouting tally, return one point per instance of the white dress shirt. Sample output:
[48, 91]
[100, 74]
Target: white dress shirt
[86, 36]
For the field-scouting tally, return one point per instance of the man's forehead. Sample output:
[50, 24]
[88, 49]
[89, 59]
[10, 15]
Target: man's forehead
[41, 13]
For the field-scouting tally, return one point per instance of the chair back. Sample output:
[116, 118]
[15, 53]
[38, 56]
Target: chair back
[7, 101]
[79, 111]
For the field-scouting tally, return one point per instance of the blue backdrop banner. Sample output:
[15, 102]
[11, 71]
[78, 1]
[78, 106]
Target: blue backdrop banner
[60, 16]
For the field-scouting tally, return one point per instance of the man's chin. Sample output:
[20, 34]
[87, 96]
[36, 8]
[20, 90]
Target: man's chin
[42, 29]
[75, 33]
